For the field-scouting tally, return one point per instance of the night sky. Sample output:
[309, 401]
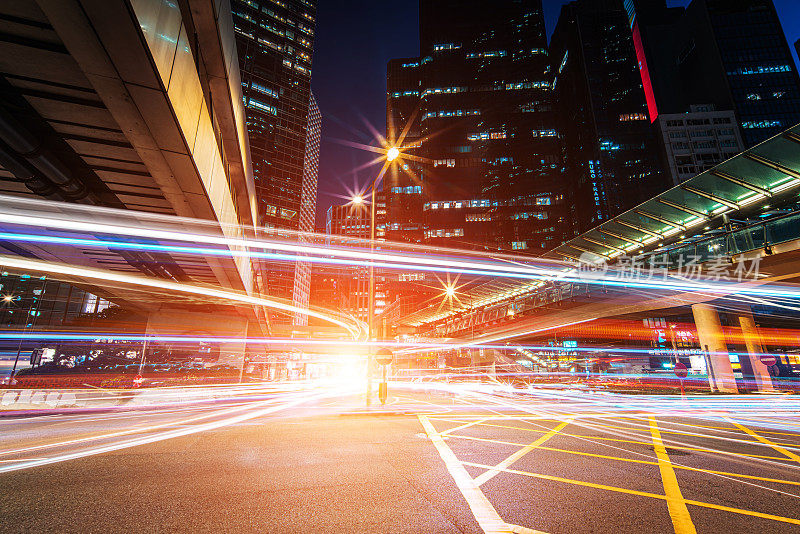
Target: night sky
[354, 41]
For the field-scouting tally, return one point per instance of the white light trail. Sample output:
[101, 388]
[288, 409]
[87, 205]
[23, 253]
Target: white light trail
[356, 329]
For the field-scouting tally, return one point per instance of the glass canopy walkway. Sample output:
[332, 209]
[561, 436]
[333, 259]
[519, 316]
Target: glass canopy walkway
[752, 181]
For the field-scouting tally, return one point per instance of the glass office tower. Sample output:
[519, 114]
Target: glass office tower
[275, 40]
[605, 112]
[481, 101]
[735, 55]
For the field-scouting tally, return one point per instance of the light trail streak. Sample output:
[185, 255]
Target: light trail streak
[300, 254]
[494, 266]
[421, 346]
[251, 411]
[356, 329]
[307, 250]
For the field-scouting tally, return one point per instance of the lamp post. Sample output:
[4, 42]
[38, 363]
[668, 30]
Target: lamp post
[391, 154]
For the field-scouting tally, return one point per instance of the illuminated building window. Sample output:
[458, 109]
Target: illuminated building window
[483, 136]
[446, 46]
[444, 162]
[408, 190]
[528, 215]
[519, 245]
[265, 90]
[442, 90]
[451, 113]
[626, 117]
[761, 69]
[481, 55]
[398, 94]
[252, 103]
[761, 124]
[442, 232]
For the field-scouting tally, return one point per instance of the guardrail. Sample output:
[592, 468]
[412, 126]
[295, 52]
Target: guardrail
[755, 236]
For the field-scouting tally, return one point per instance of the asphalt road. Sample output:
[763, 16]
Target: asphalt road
[460, 460]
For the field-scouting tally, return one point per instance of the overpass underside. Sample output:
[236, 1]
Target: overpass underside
[127, 112]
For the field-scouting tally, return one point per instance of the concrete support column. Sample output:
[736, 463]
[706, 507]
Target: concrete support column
[752, 340]
[483, 360]
[712, 340]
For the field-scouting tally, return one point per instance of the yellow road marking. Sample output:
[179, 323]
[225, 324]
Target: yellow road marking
[687, 468]
[695, 449]
[642, 494]
[795, 434]
[681, 520]
[484, 477]
[485, 514]
[644, 429]
[465, 425]
[762, 439]
[689, 433]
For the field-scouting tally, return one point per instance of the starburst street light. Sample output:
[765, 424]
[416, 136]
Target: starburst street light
[357, 200]
[392, 154]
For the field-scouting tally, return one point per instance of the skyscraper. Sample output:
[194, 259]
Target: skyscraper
[735, 55]
[308, 206]
[403, 181]
[275, 40]
[352, 283]
[482, 121]
[611, 149]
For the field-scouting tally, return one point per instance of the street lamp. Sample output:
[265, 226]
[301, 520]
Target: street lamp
[392, 153]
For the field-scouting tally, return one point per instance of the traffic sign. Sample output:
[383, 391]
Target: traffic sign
[768, 359]
[384, 356]
[138, 380]
[680, 370]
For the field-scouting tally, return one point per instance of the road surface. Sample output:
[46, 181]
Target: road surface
[457, 458]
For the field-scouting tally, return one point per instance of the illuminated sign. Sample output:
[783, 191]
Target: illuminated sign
[641, 58]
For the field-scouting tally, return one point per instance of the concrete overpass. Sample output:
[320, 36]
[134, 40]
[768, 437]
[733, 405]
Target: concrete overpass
[133, 105]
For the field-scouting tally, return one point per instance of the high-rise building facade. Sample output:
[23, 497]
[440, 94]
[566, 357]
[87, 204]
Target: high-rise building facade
[611, 149]
[275, 41]
[696, 141]
[301, 292]
[352, 283]
[734, 54]
[403, 181]
[477, 110]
